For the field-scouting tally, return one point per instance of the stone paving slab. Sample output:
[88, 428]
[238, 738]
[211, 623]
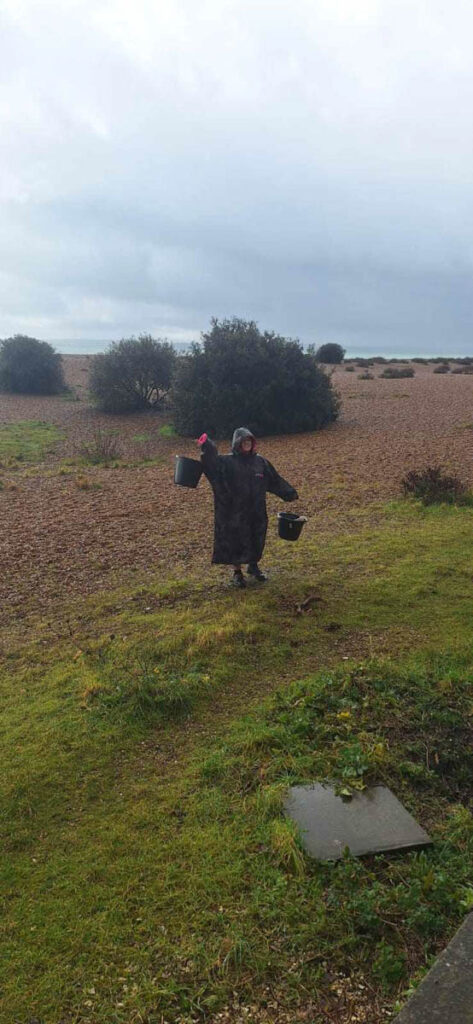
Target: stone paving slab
[446, 993]
[373, 821]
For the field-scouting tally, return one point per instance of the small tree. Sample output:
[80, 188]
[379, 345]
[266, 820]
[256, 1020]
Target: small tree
[30, 367]
[331, 352]
[134, 373]
[240, 375]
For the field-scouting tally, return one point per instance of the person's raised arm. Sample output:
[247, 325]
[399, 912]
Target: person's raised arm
[278, 485]
[208, 455]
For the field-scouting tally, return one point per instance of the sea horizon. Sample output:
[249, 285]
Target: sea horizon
[93, 346]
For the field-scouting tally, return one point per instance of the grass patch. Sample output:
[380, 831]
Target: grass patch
[167, 430]
[27, 441]
[148, 870]
[134, 890]
[84, 483]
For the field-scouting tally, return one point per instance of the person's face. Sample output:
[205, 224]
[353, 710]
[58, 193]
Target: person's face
[246, 444]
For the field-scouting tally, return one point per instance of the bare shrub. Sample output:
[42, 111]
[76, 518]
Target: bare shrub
[432, 486]
[102, 449]
[392, 373]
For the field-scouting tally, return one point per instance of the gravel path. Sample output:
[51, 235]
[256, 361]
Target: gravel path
[59, 540]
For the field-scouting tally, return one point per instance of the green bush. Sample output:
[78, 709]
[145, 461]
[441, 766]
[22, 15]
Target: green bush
[391, 373]
[366, 375]
[442, 368]
[331, 352]
[242, 375]
[30, 367]
[134, 374]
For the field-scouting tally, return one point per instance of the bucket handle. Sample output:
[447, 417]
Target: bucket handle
[300, 519]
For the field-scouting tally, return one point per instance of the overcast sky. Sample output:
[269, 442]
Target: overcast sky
[306, 164]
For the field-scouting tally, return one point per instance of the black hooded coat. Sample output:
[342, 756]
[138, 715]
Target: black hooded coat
[239, 483]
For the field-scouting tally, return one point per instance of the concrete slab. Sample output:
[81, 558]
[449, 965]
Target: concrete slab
[446, 993]
[370, 822]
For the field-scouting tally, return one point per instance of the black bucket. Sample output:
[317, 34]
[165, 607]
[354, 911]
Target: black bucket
[187, 472]
[290, 526]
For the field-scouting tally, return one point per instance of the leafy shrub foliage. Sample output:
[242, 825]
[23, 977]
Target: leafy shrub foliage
[241, 375]
[366, 375]
[432, 486]
[330, 353]
[135, 373]
[349, 369]
[466, 368]
[442, 368]
[364, 362]
[30, 367]
[393, 373]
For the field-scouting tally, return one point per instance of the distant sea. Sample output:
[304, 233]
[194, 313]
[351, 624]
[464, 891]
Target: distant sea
[89, 346]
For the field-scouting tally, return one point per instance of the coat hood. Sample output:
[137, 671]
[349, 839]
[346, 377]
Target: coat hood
[239, 436]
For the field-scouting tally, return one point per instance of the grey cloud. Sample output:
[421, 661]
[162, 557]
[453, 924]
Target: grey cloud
[309, 168]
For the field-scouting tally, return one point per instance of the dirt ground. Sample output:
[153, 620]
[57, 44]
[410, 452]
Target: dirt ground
[59, 540]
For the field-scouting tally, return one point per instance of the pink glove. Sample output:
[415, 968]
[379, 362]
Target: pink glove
[202, 439]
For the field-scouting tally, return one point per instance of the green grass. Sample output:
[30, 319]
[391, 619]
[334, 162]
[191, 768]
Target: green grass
[148, 871]
[27, 441]
[167, 430]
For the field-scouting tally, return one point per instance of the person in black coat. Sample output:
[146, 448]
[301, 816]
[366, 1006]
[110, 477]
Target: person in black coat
[239, 482]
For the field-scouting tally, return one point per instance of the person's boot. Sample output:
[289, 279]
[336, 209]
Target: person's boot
[255, 571]
[238, 580]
